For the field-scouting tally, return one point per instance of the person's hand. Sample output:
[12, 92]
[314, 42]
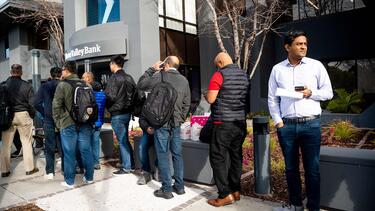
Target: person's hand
[306, 92]
[150, 130]
[156, 66]
[280, 125]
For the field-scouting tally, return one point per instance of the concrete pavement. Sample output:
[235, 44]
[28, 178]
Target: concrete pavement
[108, 192]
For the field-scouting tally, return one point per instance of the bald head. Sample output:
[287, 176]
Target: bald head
[172, 61]
[222, 59]
[88, 77]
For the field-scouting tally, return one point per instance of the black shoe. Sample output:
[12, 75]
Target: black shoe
[178, 191]
[79, 171]
[162, 194]
[121, 172]
[97, 166]
[15, 154]
[32, 171]
[5, 174]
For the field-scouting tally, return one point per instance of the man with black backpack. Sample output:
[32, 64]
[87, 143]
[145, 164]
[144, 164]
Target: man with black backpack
[20, 94]
[74, 111]
[170, 91]
[119, 93]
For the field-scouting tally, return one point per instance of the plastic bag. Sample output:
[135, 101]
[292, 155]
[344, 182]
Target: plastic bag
[185, 131]
[195, 131]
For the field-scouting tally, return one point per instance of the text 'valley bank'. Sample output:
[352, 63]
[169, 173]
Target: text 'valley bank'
[86, 50]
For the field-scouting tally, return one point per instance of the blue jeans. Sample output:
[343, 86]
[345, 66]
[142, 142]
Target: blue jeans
[120, 124]
[95, 145]
[146, 142]
[71, 138]
[304, 136]
[52, 140]
[168, 139]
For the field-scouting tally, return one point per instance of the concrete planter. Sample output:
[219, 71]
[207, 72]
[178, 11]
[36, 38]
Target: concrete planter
[197, 167]
[347, 178]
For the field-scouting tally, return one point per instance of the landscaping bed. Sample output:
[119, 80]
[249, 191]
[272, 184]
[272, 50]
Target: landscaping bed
[337, 134]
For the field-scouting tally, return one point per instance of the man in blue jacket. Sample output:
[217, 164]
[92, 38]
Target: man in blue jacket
[43, 104]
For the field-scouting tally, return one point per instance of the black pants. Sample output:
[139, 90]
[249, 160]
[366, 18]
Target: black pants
[227, 140]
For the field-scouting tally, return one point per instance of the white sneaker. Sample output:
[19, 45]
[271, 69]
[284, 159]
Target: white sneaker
[49, 176]
[66, 185]
[87, 181]
[288, 208]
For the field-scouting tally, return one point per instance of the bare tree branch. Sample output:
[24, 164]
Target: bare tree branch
[47, 18]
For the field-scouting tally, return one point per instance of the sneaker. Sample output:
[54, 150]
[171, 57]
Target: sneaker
[288, 208]
[121, 172]
[160, 193]
[97, 166]
[85, 181]
[49, 176]
[178, 191]
[144, 179]
[66, 185]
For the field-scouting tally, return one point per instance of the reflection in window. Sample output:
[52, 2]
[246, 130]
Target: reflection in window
[304, 9]
[6, 47]
[354, 75]
[190, 11]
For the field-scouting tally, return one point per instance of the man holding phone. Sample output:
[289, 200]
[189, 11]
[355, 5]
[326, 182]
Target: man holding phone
[298, 120]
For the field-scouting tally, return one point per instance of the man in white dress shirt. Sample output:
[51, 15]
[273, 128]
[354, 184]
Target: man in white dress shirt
[298, 119]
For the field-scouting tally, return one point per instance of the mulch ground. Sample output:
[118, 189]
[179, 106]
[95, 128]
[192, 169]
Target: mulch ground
[27, 207]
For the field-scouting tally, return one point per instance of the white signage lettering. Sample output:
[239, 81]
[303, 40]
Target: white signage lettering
[86, 50]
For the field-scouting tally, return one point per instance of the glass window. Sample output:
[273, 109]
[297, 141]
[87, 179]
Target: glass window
[174, 9]
[175, 25]
[161, 22]
[161, 7]
[102, 11]
[190, 11]
[37, 40]
[191, 29]
[6, 46]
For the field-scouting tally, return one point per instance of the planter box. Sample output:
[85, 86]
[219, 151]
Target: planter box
[347, 178]
[197, 167]
[106, 143]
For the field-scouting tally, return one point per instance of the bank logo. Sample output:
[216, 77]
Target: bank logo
[108, 11]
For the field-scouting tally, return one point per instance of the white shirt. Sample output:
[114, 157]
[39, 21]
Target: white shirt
[310, 73]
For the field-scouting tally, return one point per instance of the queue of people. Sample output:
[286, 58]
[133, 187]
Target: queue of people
[78, 143]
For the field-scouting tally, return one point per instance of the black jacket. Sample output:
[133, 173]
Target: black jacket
[43, 100]
[119, 92]
[21, 95]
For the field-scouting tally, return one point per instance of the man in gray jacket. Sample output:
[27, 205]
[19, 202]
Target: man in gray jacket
[167, 138]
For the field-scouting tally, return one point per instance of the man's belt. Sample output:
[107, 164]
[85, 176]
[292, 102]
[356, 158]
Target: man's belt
[300, 120]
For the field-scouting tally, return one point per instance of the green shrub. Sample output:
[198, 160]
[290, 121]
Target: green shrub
[343, 130]
[345, 102]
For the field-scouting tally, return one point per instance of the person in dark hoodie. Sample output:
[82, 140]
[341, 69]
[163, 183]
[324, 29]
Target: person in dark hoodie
[43, 104]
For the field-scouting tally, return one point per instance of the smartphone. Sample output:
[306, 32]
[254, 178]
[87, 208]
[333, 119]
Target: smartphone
[299, 88]
[162, 65]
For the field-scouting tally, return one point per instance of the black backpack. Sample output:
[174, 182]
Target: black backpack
[159, 105]
[84, 108]
[6, 112]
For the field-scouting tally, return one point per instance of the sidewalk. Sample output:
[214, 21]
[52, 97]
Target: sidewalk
[107, 193]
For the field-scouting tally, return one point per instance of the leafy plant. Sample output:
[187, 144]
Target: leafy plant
[346, 102]
[343, 130]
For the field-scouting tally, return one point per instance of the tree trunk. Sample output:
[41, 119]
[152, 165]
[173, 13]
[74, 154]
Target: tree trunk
[216, 27]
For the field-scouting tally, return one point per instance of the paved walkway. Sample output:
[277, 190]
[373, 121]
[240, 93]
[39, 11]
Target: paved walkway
[106, 193]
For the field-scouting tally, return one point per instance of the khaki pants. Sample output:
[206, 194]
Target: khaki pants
[24, 124]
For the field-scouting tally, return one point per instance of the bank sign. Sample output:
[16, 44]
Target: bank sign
[97, 49]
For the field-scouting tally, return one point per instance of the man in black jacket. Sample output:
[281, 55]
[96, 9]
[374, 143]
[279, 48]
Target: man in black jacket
[43, 104]
[20, 95]
[119, 92]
